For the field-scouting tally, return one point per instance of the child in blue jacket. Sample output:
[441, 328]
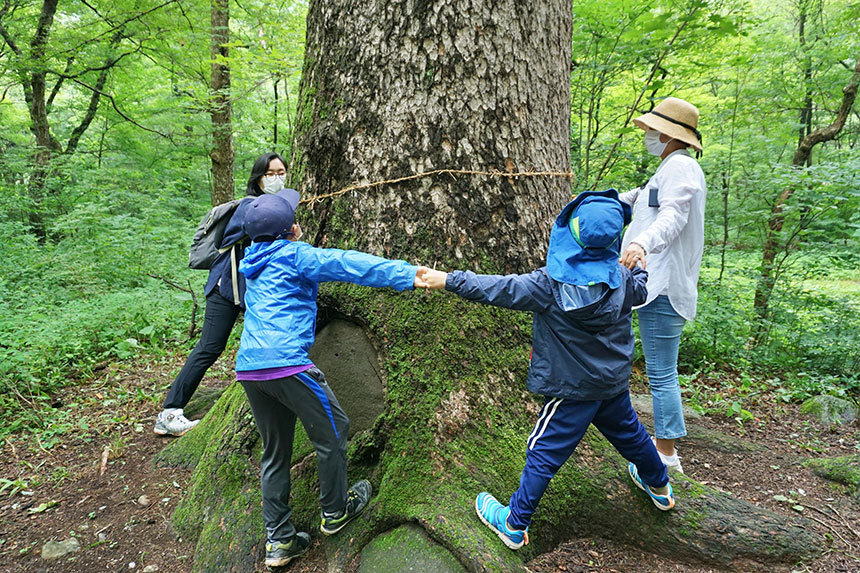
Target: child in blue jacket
[282, 276]
[582, 354]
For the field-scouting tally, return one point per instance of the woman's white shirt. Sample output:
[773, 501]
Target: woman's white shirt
[673, 234]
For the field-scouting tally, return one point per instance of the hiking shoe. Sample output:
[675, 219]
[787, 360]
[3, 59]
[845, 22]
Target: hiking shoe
[495, 516]
[356, 500]
[279, 554]
[171, 422]
[663, 502]
[673, 462]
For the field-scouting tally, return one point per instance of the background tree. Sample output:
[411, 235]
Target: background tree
[221, 106]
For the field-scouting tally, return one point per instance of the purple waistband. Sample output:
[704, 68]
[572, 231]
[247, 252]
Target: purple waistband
[272, 373]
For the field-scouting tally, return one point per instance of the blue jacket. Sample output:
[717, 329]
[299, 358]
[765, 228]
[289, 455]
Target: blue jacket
[221, 271]
[582, 346]
[282, 279]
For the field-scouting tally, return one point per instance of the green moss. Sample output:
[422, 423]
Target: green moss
[842, 469]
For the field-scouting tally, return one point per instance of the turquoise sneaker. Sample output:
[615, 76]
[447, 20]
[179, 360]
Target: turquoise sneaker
[495, 516]
[663, 502]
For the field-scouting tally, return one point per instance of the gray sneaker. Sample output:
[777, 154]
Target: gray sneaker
[356, 500]
[171, 422]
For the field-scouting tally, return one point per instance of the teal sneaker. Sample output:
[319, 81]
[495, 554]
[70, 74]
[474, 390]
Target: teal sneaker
[495, 516]
[279, 554]
[663, 502]
[356, 500]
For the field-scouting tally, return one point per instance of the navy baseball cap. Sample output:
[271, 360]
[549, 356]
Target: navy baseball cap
[271, 217]
[586, 239]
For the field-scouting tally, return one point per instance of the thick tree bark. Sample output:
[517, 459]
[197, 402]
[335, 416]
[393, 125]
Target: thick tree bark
[772, 244]
[221, 106]
[396, 88]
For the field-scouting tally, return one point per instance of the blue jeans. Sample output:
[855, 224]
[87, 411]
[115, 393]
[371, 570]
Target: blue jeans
[660, 331]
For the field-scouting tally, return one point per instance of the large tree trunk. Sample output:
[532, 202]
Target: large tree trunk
[393, 89]
[396, 88]
[220, 104]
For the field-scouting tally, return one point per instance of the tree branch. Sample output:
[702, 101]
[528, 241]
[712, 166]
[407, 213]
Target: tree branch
[59, 83]
[7, 37]
[75, 137]
[829, 132]
[119, 26]
[190, 291]
[121, 113]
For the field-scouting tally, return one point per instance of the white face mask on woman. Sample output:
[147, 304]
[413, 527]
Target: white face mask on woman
[653, 143]
[273, 183]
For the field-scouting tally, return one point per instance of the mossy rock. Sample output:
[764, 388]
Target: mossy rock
[407, 549]
[842, 469]
[830, 410]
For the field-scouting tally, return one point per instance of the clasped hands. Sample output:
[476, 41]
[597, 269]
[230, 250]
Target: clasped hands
[428, 278]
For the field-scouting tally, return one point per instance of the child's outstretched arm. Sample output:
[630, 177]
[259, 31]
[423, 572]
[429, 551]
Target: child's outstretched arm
[324, 265]
[519, 292]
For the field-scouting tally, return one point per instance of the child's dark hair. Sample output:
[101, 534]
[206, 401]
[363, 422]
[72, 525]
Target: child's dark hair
[261, 165]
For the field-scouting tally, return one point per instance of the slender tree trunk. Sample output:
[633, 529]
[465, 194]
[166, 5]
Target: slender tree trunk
[221, 106]
[275, 113]
[35, 96]
[772, 245]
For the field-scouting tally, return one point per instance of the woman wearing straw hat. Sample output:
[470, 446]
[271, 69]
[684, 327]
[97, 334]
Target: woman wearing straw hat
[667, 237]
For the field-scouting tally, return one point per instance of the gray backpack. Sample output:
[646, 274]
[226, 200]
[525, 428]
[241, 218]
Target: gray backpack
[207, 238]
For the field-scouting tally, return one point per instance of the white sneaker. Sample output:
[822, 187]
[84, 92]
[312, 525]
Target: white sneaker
[171, 422]
[673, 462]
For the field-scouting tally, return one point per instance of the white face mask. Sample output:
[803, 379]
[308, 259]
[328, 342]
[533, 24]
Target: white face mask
[653, 143]
[274, 183]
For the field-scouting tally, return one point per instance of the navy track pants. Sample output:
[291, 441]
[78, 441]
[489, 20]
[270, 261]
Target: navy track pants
[558, 431]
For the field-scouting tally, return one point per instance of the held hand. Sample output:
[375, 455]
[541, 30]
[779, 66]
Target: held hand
[430, 279]
[632, 255]
[296, 232]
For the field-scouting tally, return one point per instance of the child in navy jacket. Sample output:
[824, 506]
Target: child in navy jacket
[582, 354]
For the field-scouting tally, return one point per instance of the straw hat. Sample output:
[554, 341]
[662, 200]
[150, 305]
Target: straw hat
[676, 118]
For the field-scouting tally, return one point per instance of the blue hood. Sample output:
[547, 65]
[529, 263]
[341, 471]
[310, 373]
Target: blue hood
[586, 238]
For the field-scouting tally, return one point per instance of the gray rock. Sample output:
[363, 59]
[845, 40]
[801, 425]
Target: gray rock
[150, 568]
[57, 549]
[830, 410]
[350, 363]
[407, 549]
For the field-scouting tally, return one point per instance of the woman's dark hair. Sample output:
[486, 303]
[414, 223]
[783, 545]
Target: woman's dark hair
[258, 170]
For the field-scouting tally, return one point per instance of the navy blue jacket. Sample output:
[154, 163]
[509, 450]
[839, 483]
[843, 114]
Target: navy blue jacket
[221, 271]
[582, 346]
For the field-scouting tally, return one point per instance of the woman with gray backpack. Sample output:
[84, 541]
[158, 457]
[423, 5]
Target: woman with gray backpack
[225, 292]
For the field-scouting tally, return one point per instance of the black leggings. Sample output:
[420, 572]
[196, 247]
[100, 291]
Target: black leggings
[218, 321]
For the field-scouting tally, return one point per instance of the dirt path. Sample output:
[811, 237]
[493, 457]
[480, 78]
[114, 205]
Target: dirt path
[120, 512]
